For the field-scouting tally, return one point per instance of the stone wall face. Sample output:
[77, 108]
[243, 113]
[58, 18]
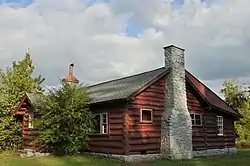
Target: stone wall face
[214, 152]
[151, 157]
[176, 128]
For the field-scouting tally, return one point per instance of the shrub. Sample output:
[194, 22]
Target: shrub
[64, 120]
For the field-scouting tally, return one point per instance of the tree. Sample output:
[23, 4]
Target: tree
[235, 93]
[237, 96]
[15, 82]
[64, 120]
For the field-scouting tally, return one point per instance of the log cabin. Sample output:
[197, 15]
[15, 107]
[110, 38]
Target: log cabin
[166, 112]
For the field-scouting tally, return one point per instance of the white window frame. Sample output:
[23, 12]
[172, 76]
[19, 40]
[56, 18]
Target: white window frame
[220, 126]
[145, 121]
[31, 120]
[102, 124]
[195, 119]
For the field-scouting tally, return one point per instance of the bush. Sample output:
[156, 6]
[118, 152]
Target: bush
[64, 120]
[243, 144]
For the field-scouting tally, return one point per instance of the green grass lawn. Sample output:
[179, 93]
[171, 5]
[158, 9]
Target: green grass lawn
[241, 159]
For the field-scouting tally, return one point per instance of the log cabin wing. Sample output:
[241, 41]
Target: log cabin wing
[134, 107]
[130, 112]
[25, 115]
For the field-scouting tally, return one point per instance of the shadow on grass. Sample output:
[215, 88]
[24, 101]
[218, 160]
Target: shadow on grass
[77, 161]
[240, 159]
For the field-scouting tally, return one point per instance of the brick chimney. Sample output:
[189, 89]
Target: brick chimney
[176, 128]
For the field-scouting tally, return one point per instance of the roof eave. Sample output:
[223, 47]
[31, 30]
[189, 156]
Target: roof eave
[108, 101]
[238, 115]
[21, 102]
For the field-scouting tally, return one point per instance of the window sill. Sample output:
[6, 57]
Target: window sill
[197, 125]
[146, 122]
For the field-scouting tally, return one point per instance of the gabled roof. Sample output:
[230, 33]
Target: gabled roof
[124, 87]
[213, 99]
[127, 87]
[121, 88]
[32, 99]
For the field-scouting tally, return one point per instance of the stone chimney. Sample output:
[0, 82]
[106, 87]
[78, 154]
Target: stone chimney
[70, 78]
[176, 128]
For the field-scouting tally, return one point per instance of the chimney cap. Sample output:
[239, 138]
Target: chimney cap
[169, 46]
[70, 79]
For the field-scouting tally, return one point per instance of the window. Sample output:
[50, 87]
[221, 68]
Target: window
[101, 123]
[220, 125]
[196, 119]
[31, 119]
[146, 115]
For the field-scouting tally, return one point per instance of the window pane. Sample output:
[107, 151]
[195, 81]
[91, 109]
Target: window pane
[146, 115]
[104, 118]
[104, 129]
[97, 123]
[197, 116]
[196, 119]
[31, 118]
[192, 116]
[198, 122]
[220, 125]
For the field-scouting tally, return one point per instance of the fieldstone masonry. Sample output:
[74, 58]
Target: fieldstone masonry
[150, 157]
[176, 127]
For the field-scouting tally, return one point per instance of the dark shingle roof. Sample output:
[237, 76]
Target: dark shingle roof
[124, 87]
[32, 97]
[121, 88]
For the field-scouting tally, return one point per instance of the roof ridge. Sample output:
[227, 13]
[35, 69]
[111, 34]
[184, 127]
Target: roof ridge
[123, 77]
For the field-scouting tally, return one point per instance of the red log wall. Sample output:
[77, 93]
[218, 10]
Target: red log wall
[127, 135]
[113, 142]
[145, 137]
[28, 134]
[205, 136]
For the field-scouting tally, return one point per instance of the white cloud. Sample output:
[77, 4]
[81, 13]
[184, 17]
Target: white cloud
[216, 37]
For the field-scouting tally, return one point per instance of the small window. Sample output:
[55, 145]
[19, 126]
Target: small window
[101, 123]
[146, 115]
[196, 119]
[31, 120]
[220, 125]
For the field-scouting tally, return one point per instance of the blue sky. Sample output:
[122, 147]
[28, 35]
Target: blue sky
[21, 2]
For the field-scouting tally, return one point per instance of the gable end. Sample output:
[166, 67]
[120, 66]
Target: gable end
[212, 99]
[151, 82]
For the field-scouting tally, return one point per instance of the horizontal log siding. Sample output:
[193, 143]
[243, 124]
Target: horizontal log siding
[145, 137]
[126, 135]
[28, 135]
[113, 142]
[205, 136]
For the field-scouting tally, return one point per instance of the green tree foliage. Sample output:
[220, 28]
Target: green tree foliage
[237, 96]
[64, 119]
[15, 82]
